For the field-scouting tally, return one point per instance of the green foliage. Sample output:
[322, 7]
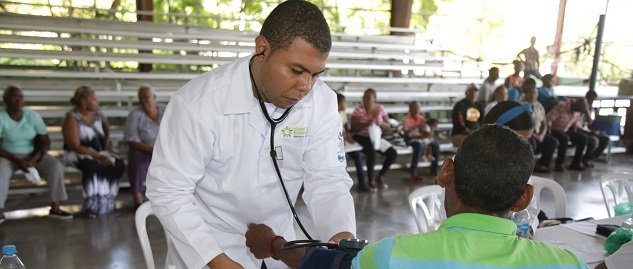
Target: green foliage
[424, 9]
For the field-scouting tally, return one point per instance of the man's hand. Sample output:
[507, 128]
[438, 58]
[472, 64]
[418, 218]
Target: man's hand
[257, 238]
[222, 261]
[342, 235]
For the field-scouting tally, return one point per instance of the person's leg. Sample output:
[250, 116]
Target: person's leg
[391, 154]
[52, 170]
[360, 169]
[603, 143]
[418, 148]
[435, 150]
[592, 144]
[7, 168]
[547, 148]
[563, 140]
[370, 156]
[580, 140]
[138, 163]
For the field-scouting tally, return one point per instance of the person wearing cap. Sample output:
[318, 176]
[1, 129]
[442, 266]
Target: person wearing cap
[467, 115]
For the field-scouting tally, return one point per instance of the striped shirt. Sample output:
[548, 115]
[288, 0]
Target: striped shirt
[466, 241]
[561, 117]
[359, 112]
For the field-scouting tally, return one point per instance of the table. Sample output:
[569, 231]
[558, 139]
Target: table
[580, 238]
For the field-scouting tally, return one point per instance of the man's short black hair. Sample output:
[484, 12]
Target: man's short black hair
[492, 167]
[591, 95]
[523, 121]
[293, 19]
[529, 82]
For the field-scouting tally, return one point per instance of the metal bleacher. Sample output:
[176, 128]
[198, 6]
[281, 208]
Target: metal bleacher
[57, 54]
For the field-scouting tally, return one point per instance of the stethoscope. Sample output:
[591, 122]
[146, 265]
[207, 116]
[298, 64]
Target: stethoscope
[273, 153]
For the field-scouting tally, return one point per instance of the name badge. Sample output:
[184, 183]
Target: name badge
[279, 154]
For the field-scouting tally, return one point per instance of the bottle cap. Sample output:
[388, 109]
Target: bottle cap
[9, 250]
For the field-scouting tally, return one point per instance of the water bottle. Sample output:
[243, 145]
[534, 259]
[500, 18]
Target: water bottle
[522, 220]
[9, 259]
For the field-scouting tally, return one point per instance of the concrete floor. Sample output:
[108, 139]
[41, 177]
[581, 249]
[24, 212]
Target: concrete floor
[110, 241]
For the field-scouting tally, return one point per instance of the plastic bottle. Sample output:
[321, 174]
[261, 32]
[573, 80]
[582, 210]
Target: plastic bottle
[522, 220]
[620, 236]
[9, 259]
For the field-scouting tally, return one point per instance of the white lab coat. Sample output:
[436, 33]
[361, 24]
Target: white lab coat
[211, 173]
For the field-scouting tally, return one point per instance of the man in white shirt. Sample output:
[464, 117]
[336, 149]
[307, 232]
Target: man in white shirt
[212, 177]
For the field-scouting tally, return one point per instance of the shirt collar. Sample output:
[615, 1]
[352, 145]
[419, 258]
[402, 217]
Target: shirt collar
[480, 222]
[240, 94]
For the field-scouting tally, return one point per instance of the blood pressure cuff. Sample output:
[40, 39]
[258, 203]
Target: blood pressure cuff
[323, 258]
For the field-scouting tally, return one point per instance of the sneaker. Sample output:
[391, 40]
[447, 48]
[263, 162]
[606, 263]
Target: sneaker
[2, 219]
[61, 214]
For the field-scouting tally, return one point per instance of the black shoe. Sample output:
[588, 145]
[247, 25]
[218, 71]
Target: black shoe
[541, 169]
[61, 214]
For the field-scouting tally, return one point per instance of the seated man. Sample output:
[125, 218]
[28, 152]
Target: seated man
[466, 115]
[563, 120]
[486, 180]
[597, 142]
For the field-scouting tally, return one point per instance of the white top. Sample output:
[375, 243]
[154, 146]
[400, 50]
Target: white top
[211, 172]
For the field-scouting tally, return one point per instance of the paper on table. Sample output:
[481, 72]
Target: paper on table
[584, 227]
[589, 253]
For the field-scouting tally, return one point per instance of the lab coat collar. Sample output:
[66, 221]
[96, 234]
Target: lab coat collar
[240, 95]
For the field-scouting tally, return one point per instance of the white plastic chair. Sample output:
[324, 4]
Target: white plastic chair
[619, 185]
[144, 211]
[560, 198]
[429, 200]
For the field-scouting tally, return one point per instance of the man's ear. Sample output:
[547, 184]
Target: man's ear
[446, 175]
[524, 200]
[262, 47]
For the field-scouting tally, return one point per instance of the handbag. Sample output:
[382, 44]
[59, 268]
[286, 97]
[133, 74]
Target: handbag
[375, 135]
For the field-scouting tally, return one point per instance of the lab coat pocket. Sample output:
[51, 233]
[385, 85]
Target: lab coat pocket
[291, 163]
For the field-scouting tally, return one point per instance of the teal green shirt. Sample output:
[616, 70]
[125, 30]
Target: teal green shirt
[466, 241]
[17, 136]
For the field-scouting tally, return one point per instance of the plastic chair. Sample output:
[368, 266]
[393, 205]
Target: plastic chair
[429, 200]
[560, 198]
[144, 211]
[619, 185]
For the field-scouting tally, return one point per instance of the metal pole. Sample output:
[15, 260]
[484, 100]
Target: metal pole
[559, 36]
[596, 54]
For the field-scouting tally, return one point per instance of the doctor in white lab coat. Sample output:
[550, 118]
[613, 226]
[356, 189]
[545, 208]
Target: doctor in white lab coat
[212, 173]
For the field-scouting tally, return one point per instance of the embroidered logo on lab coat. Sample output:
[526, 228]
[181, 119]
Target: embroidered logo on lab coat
[294, 132]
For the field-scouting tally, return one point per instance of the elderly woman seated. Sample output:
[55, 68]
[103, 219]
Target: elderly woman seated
[141, 131]
[24, 144]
